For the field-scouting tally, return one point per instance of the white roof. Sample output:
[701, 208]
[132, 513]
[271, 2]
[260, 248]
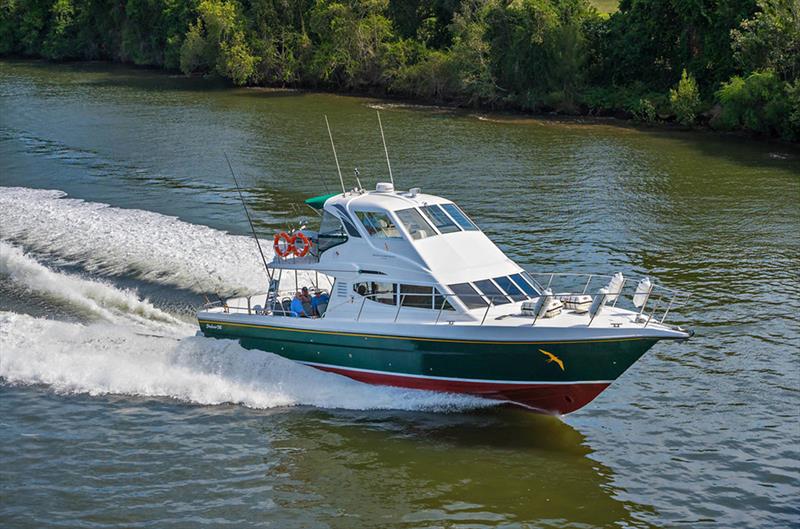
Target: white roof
[444, 258]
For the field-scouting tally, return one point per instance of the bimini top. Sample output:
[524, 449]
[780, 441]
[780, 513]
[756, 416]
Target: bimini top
[409, 236]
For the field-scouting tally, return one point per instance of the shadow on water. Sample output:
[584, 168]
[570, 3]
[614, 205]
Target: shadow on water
[481, 469]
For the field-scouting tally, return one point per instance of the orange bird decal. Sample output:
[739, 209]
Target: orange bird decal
[552, 358]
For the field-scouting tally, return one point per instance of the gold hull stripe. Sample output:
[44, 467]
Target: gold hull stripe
[393, 337]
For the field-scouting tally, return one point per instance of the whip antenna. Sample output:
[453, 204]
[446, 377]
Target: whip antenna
[385, 150]
[334, 153]
[249, 220]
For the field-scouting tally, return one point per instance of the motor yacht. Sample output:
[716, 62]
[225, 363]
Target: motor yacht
[412, 293]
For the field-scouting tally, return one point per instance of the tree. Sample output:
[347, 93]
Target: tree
[770, 40]
[760, 103]
[215, 42]
[685, 99]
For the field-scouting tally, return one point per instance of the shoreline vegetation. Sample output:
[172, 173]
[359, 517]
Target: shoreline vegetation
[726, 66]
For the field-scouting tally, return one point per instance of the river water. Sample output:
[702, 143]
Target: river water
[117, 211]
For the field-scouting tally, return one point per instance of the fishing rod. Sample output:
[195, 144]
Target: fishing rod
[249, 220]
[385, 150]
[339, 169]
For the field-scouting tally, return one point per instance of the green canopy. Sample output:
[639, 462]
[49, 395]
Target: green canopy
[319, 202]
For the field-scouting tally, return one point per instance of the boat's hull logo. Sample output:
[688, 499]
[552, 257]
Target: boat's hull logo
[552, 358]
[213, 326]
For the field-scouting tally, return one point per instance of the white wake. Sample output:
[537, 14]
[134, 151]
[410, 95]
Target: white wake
[94, 298]
[114, 241]
[133, 348]
[101, 358]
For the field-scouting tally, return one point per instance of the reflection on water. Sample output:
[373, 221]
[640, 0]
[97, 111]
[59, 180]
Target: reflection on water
[703, 433]
[468, 470]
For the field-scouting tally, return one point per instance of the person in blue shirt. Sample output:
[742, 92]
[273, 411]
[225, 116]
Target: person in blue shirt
[297, 307]
[320, 298]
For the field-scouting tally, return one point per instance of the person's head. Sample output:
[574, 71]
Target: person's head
[297, 295]
[305, 291]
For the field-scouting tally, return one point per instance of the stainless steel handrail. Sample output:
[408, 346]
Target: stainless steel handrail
[662, 296]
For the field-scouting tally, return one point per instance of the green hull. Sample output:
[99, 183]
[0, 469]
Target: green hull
[559, 362]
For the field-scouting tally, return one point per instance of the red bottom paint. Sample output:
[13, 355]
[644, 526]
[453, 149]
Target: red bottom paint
[542, 398]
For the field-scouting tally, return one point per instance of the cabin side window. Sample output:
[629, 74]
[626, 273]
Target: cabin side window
[385, 293]
[331, 232]
[378, 225]
[423, 297]
[413, 296]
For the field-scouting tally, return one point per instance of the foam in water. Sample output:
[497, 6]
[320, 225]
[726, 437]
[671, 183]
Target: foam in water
[95, 298]
[143, 244]
[102, 359]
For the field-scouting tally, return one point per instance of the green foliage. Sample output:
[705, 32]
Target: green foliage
[770, 40]
[539, 55]
[762, 103]
[352, 41]
[215, 42]
[645, 111]
[685, 99]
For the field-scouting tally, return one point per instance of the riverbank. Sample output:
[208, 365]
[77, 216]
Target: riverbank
[487, 113]
[731, 69]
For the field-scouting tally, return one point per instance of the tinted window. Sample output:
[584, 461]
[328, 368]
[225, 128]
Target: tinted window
[440, 219]
[331, 232]
[468, 295]
[510, 288]
[533, 282]
[380, 292]
[441, 303]
[459, 216]
[351, 229]
[415, 223]
[490, 290]
[524, 285]
[378, 225]
[416, 296]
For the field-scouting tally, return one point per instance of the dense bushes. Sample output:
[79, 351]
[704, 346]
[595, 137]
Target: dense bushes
[652, 60]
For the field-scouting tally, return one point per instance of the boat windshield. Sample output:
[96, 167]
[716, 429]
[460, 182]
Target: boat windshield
[490, 290]
[378, 225]
[440, 219]
[460, 217]
[510, 288]
[331, 232]
[468, 295]
[524, 285]
[415, 223]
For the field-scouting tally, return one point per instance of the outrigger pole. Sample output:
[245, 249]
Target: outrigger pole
[385, 150]
[334, 153]
[249, 220]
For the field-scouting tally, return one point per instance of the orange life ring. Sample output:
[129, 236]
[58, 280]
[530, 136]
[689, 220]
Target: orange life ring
[306, 244]
[276, 244]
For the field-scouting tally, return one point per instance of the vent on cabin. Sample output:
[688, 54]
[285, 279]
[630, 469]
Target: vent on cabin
[341, 289]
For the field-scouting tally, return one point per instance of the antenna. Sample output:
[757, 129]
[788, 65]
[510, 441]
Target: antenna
[358, 181]
[249, 220]
[385, 150]
[334, 153]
